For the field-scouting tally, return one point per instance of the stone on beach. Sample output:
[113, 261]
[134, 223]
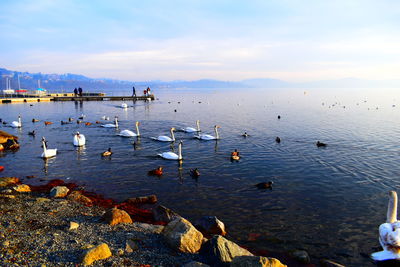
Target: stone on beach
[210, 225]
[181, 235]
[73, 225]
[115, 216]
[59, 191]
[301, 256]
[151, 199]
[131, 246]
[6, 181]
[22, 188]
[255, 261]
[164, 214]
[220, 251]
[79, 197]
[100, 252]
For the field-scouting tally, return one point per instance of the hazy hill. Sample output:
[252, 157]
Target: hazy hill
[68, 81]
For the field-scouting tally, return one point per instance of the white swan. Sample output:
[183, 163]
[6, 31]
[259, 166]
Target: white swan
[79, 139]
[191, 129]
[172, 155]
[129, 133]
[110, 125]
[124, 105]
[47, 153]
[389, 233]
[106, 118]
[164, 138]
[207, 136]
[17, 124]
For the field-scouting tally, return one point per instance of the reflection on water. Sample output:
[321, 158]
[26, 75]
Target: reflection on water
[328, 201]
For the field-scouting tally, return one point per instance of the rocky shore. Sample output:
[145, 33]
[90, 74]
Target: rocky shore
[59, 225]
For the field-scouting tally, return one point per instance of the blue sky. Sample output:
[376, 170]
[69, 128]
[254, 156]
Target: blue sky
[188, 40]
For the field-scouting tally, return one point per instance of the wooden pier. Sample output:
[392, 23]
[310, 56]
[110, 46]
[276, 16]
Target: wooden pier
[71, 97]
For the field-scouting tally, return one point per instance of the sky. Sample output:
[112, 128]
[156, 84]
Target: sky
[291, 40]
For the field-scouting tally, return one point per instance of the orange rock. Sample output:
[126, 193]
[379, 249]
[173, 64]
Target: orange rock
[79, 197]
[6, 181]
[115, 216]
[22, 188]
[100, 252]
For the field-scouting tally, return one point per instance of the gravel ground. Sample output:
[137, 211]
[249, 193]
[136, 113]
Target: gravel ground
[34, 231]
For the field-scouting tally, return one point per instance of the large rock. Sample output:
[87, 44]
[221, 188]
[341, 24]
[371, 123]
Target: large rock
[255, 261]
[100, 252]
[79, 197]
[22, 188]
[301, 256]
[220, 251]
[164, 214]
[115, 216]
[210, 225]
[181, 235]
[59, 191]
[6, 181]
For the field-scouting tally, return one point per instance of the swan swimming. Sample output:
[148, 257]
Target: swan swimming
[79, 139]
[389, 233]
[164, 138]
[128, 133]
[110, 125]
[172, 155]
[17, 124]
[207, 136]
[47, 153]
[191, 129]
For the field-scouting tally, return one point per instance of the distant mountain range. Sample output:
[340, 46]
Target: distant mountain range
[67, 82]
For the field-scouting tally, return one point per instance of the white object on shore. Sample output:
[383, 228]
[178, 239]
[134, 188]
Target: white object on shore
[191, 129]
[389, 233]
[47, 153]
[172, 155]
[110, 125]
[79, 139]
[17, 124]
[164, 138]
[207, 136]
[129, 133]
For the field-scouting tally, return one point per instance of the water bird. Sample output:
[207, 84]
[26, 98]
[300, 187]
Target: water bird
[209, 137]
[65, 122]
[191, 129]
[279, 117]
[235, 155]
[107, 153]
[320, 144]
[70, 119]
[17, 124]
[106, 118]
[277, 139]
[79, 121]
[98, 122]
[124, 105]
[164, 138]
[389, 233]
[264, 185]
[175, 110]
[110, 125]
[88, 123]
[47, 153]
[129, 133]
[172, 155]
[245, 134]
[35, 120]
[157, 172]
[82, 117]
[32, 133]
[79, 139]
[194, 173]
[47, 123]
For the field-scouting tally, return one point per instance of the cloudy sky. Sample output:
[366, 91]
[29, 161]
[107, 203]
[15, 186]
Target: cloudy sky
[292, 40]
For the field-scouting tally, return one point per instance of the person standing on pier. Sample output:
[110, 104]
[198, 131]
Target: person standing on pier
[80, 91]
[134, 91]
[148, 91]
[76, 91]
[144, 92]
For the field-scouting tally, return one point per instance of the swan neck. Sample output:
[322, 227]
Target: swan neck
[216, 132]
[198, 125]
[392, 208]
[44, 146]
[180, 151]
[19, 120]
[137, 129]
[116, 122]
[172, 135]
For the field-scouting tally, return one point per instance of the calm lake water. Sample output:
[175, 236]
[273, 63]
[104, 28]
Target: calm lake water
[329, 201]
